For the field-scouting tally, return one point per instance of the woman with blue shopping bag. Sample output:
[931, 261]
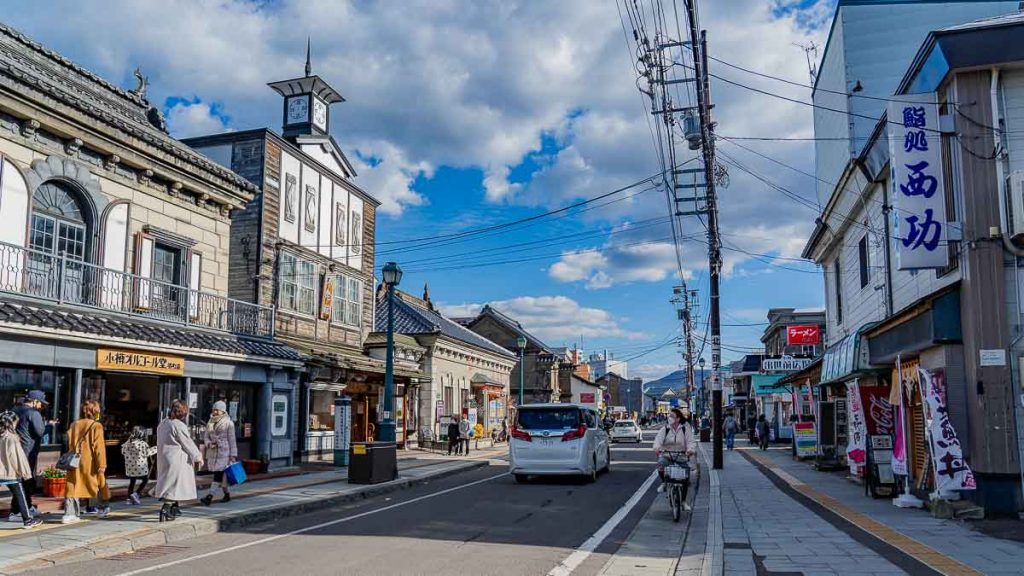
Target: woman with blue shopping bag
[220, 450]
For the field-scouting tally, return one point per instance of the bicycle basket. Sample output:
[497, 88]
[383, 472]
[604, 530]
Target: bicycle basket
[677, 472]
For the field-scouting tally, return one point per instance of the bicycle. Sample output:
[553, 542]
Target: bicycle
[677, 481]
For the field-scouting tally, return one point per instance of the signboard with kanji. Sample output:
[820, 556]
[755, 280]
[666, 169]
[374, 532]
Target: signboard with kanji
[918, 187]
[137, 361]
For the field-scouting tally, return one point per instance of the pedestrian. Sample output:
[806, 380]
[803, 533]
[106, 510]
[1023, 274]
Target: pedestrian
[730, 426]
[465, 430]
[504, 430]
[762, 432]
[30, 428]
[14, 467]
[176, 456]
[137, 452]
[453, 437]
[221, 450]
[88, 480]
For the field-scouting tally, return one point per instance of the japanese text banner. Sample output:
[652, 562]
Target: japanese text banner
[918, 186]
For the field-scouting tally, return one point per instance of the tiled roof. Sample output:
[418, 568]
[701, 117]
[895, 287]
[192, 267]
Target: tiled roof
[514, 325]
[411, 319]
[31, 64]
[145, 332]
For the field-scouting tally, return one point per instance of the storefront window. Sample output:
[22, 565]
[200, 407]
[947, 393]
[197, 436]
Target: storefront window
[241, 404]
[321, 410]
[15, 382]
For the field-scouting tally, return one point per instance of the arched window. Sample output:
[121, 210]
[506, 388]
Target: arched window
[59, 224]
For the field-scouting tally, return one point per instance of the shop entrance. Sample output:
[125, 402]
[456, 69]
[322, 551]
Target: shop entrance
[127, 400]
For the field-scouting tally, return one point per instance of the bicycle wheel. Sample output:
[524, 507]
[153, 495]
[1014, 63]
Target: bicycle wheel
[675, 502]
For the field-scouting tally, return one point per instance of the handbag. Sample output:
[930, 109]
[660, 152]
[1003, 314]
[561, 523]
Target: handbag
[72, 459]
[235, 473]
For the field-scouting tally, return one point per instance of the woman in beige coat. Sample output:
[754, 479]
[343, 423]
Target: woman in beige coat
[89, 480]
[176, 458]
[14, 465]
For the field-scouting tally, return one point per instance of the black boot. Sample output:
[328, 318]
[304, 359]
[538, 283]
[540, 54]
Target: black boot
[165, 512]
[227, 497]
[175, 511]
[206, 500]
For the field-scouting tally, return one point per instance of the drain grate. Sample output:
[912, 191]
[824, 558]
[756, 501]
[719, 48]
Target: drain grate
[146, 553]
[737, 545]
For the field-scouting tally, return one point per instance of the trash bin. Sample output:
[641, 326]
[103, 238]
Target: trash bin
[372, 462]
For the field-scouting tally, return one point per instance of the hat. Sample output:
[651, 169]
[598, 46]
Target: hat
[220, 405]
[37, 395]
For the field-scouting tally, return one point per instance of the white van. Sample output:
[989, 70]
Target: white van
[558, 439]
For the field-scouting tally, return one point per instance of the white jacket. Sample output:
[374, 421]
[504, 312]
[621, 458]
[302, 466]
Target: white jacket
[680, 440]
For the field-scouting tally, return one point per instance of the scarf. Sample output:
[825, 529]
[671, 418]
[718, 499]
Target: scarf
[214, 421]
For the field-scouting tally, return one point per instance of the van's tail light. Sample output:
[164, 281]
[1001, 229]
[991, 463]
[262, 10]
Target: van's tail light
[574, 434]
[520, 435]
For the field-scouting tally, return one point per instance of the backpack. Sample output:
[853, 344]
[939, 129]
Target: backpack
[730, 424]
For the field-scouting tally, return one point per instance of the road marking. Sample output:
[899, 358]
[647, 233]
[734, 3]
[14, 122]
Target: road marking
[309, 528]
[571, 562]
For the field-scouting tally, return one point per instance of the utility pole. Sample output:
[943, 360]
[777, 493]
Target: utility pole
[700, 64]
[681, 298]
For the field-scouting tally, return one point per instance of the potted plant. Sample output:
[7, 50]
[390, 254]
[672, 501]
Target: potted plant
[264, 463]
[251, 466]
[54, 482]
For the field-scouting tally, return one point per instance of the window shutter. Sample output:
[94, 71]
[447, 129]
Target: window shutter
[143, 270]
[195, 271]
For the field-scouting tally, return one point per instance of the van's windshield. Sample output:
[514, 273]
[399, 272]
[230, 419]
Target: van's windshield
[548, 418]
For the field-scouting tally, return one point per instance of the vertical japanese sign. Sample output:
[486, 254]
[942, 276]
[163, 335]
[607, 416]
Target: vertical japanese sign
[951, 470]
[918, 188]
[856, 448]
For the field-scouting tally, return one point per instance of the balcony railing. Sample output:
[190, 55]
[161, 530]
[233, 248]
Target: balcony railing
[65, 280]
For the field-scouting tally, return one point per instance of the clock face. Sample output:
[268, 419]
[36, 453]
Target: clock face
[298, 109]
[319, 114]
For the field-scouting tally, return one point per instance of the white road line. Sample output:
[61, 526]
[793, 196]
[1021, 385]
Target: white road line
[309, 528]
[571, 562]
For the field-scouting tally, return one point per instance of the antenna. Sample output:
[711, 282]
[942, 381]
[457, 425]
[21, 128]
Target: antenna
[811, 53]
[309, 65]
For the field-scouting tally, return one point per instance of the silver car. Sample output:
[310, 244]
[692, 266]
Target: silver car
[626, 430]
[558, 439]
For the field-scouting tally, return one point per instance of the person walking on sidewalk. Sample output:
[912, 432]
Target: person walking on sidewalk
[137, 452]
[31, 429]
[14, 467]
[176, 456]
[675, 437]
[730, 426]
[453, 437]
[762, 432]
[89, 480]
[221, 450]
[464, 433]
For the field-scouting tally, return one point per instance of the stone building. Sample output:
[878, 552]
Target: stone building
[539, 363]
[304, 243]
[114, 259]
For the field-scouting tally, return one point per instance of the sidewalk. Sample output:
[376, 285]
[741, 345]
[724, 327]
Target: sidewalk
[133, 528]
[947, 546]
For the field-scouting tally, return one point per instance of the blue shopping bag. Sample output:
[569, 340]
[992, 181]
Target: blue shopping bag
[235, 473]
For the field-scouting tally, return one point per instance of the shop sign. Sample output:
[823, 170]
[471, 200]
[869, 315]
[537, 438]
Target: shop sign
[785, 364]
[327, 296]
[809, 335]
[440, 408]
[136, 361]
[996, 357]
[806, 439]
[586, 397]
[919, 190]
[856, 448]
[764, 384]
[951, 470]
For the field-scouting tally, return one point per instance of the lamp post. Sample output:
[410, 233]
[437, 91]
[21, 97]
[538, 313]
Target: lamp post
[702, 406]
[392, 275]
[521, 342]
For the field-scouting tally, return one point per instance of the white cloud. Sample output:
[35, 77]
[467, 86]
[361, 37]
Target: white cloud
[188, 119]
[555, 319]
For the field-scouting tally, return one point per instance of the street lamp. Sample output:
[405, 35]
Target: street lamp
[392, 275]
[521, 342]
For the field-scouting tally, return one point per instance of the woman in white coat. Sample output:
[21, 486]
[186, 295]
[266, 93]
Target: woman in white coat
[220, 450]
[176, 458]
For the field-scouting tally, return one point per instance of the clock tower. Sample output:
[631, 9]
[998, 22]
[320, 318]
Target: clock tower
[307, 103]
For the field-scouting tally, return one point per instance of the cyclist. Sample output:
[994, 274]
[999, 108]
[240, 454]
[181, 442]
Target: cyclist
[676, 436]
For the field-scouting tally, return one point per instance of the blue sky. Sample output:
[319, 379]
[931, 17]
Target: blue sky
[467, 115]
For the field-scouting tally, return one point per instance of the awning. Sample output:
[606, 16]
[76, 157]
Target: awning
[845, 358]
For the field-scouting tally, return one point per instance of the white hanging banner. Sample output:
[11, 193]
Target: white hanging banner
[951, 471]
[856, 447]
[918, 186]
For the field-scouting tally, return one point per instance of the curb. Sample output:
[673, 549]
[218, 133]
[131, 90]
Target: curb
[916, 559]
[188, 528]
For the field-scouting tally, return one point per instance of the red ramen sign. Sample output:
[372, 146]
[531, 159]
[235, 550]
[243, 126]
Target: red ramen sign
[809, 335]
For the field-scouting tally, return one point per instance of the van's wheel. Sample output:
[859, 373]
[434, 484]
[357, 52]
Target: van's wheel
[522, 478]
[592, 476]
[608, 461]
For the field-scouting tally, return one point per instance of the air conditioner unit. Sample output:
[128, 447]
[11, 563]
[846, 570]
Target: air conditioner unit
[1016, 186]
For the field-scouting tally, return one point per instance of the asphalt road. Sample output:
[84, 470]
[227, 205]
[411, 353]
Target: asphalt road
[479, 522]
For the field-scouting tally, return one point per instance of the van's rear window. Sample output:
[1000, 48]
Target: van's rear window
[549, 418]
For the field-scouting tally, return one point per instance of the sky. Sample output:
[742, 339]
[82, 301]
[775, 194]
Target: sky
[470, 114]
